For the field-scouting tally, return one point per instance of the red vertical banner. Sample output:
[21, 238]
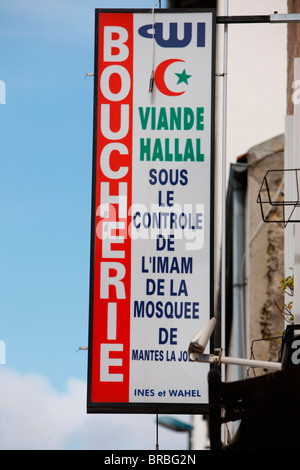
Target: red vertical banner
[110, 343]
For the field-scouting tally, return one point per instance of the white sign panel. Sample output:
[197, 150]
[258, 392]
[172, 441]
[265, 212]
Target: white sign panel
[152, 231]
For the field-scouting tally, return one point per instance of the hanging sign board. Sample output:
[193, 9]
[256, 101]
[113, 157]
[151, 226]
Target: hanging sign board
[152, 215]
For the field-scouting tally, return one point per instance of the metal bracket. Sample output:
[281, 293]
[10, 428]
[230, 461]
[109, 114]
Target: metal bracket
[270, 196]
[274, 18]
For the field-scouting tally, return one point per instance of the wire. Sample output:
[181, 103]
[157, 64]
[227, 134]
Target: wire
[151, 84]
[157, 445]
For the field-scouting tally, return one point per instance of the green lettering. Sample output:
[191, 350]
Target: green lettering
[168, 154]
[144, 116]
[188, 118]
[162, 120]
[178, 155]
[189, 151]
[145, 149]
[175, 119]
[157, 151]
[153, 118]
[200, 119]
[199, 155]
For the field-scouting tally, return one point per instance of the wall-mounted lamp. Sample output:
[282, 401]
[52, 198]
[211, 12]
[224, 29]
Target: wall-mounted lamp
[198, 345]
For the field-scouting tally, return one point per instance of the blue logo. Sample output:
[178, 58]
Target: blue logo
[146, 31]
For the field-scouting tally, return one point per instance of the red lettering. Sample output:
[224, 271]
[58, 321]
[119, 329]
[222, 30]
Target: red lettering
[113, 196]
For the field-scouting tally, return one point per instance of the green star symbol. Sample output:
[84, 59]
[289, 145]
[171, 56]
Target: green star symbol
[183, 77]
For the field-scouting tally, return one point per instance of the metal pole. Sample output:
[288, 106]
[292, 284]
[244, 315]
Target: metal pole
[224, 143]
[250, 363]
[296, 148]
[275, 18]
[211, 359]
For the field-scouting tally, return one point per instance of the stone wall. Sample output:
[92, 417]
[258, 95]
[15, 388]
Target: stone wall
[265, 255]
